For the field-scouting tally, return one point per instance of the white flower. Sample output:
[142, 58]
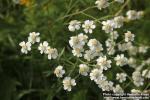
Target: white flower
[118, 21]
[132, 50]
[83, 69]
[95, 49]
[78, 41]
[129, 36]
[147, 61]
[52, 53]
[102, 4]
[68, 83]
[110, 50]
[43, 47]
[75, 42]
[89, 26]
[125, 46]
[104, 63]
[143, 49]
[90, 54]
[121, 60]
[146, 73]
[121, 77]
[131, 15]
[74, 25]
[140, 14]
[96, 74]
[100, 79]
[132, 62]
[120, 1]
[108, 26]
[105, 85]
[59, 72]
[122, 47]
[95, 45]
[110, 44]
[83, 38]
[77, 52]
[114, 35]
[34, 37]
[137, 78]
[118, 89]
[25, 47]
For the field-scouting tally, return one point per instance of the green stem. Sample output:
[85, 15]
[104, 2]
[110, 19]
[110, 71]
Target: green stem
[76, 13]
[122, 7]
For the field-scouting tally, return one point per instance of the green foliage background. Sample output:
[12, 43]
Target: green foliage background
[30, 77]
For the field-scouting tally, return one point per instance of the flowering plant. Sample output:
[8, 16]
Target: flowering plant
[95, 58]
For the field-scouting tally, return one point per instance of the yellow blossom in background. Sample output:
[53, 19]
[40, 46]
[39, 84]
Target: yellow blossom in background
[25, 2]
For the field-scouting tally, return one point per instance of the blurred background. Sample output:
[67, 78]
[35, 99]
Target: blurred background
[30, 77]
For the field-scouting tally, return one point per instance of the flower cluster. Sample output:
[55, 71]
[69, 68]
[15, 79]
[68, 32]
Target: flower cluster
[97, 57]
[101, 80]
[104, 63]
[133, 15]
[101, 4]
[95, 48]
[110, 25]
[77, 43]
[32, 39]
[67, 81]
[96, 52]
[43, 47]
[137, 78]
[87, 26]
[118, 21]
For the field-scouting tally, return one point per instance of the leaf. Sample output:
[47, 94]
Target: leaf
[24, 92]
[7, 87]
[61, 53]
[47, 73]
[50, 95]
[11, 41]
